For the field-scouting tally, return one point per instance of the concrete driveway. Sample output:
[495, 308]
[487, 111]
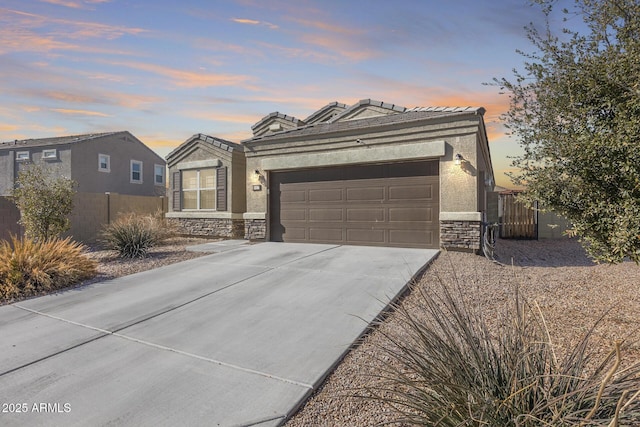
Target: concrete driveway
[241, 337]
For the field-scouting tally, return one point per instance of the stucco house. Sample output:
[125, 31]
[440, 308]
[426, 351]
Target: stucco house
[371, 173]
[115, 162]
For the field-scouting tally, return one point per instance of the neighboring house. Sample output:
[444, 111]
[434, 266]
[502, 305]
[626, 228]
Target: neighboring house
[116, 162]
[368, 174]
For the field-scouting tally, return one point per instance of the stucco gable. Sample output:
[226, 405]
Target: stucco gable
[212, 145]
[326, 113]
[366, 108]
[275, 122]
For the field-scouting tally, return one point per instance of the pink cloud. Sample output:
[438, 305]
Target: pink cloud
[75, 4]
[254, 22]
[189, 79]
[7, 128]
[79, 112]
[22, 31]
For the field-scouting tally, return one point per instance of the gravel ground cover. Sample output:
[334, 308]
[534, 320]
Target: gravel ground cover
[168, 252]
[571, 291]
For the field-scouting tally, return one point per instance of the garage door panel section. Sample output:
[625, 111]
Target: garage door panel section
[411, 214]
[380, 205]
[411, 192]
[409, 237]
[325, 195]
[294, 196]
[326, 214]
[365, 194]
[364, 236]
[365, 215]
[326, 234]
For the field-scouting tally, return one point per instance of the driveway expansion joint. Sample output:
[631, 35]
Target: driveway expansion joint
[149, 344]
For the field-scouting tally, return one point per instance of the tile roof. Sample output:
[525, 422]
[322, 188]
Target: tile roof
[276, 114]
[368, 102]
[448, 109]
[218, 142]
[58, 140]
[317, 115]
[402, 115]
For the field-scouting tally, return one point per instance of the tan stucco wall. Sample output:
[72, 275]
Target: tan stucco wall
[458, 183]
[399, 142]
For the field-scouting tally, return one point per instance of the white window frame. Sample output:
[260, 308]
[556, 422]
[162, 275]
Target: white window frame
[155, 174]
[131, 180]
[108, 158]
[50, 154]
[23, 156]
[198, 189]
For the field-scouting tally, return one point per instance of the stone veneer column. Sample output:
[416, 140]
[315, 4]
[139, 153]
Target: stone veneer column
[461, 230]
[255, 229]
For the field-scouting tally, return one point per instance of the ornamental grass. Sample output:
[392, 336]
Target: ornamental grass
[29, 267]
[444, 366]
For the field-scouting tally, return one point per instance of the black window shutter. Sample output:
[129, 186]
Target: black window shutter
[221, 189]
[175, 190]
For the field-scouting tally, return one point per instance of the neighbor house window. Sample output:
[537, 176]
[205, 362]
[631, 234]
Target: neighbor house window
[158, 174]
[50, 154]
[198, 189]
[22, 155]
[136, 172]
[104, 163]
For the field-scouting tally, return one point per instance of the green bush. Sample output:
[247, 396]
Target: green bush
[446, 367]
[132, 235]
[45, 200]
[28, 267]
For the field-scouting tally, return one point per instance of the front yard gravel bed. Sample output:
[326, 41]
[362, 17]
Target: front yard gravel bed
[571, 291]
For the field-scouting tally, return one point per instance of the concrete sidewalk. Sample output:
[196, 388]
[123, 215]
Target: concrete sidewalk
[237, 338]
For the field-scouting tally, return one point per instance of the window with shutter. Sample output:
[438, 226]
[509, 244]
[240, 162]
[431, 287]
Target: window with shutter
[175, 189]
[221, 189]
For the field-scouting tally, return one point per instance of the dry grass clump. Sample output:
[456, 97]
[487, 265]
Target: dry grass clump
[444, 366]
[132, 235]
[30, 268]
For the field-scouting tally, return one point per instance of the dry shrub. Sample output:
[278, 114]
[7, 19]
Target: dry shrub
[446, 367]
[29, 268]
[132, 235]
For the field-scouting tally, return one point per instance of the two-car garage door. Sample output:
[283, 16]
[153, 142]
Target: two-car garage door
[392, 204]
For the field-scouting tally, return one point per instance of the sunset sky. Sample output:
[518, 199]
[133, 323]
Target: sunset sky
[165, 70]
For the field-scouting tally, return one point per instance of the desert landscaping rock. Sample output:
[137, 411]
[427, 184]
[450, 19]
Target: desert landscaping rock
[572, 292]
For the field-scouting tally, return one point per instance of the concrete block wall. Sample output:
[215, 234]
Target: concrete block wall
[9, 217]
[90, 212]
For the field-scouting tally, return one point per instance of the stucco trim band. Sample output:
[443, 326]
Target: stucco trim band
[362, 154]
[204, 215]
[254, 215]
[460, 216]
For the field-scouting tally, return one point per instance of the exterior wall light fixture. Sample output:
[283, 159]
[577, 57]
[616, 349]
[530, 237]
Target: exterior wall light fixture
[458, 159]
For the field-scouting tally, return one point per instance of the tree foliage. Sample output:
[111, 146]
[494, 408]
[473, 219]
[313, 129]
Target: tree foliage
[576, 112]
[45, 200]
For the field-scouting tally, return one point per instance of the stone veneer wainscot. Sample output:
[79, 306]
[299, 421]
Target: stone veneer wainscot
[213, 227]
[460, 235]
